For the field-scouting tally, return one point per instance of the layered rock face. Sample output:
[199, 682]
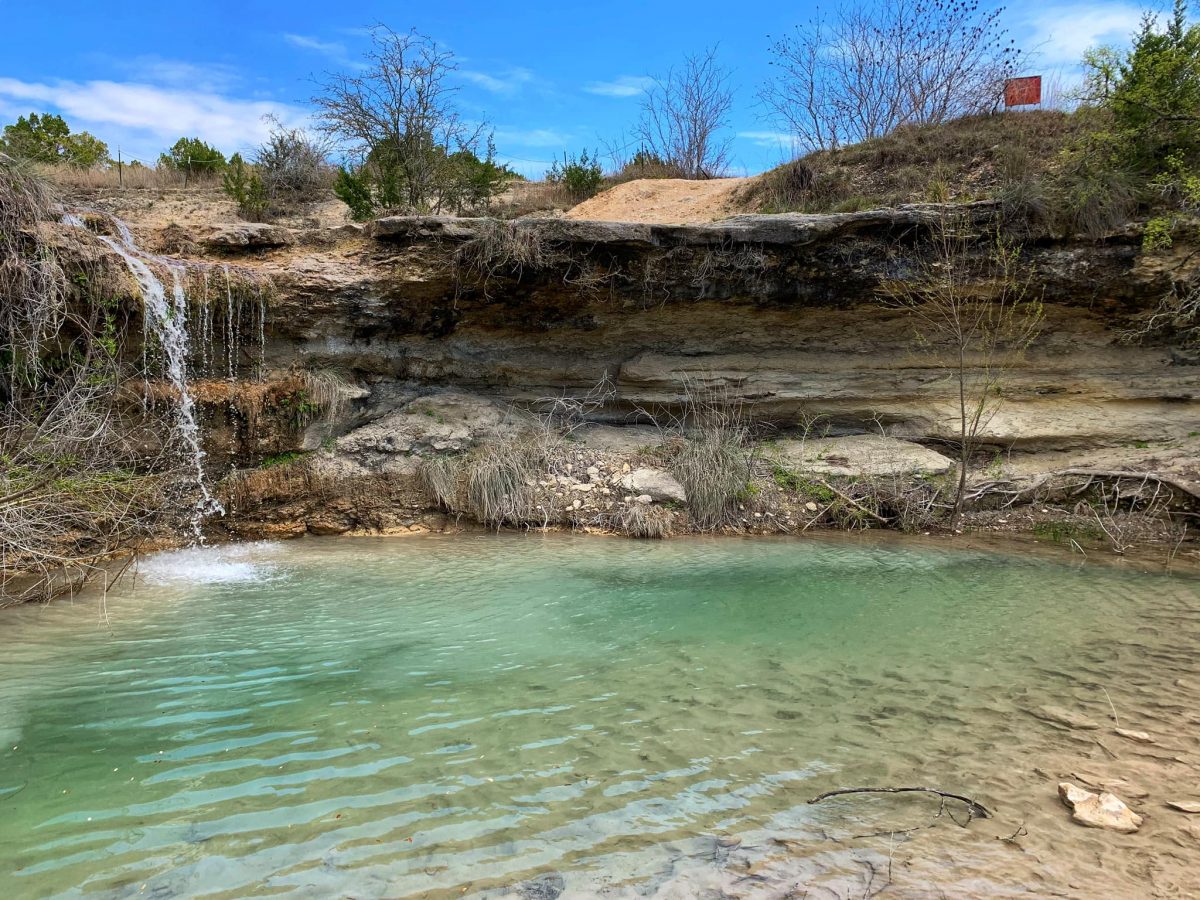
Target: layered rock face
[787, 315]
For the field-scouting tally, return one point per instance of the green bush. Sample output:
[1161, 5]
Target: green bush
[48, 139]
[244, 185]
[194, 157]
[579, 176]
[354, 189]
[1157, 235]
[1153, 92]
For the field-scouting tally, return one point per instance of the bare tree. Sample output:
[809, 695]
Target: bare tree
[861, 71]
[399, 115]
[684, 113]
[976, 314]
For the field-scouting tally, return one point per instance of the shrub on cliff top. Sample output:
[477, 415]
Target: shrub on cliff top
[580, 176]
[398, 116]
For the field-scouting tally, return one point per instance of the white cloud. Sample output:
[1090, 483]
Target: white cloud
[151, 69]
[508, 83]
[624, 86]
[332, 49]
[769, 139]
[1061, 34]
[146, 118]
[532, 137]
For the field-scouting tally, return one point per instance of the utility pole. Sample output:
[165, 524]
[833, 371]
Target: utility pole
[120, 170]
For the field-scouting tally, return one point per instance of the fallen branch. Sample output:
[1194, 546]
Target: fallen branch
[853, 502]
[1175, 483]
[974, 809]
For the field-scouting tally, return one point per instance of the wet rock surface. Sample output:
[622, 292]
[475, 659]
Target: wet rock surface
[1104, 810]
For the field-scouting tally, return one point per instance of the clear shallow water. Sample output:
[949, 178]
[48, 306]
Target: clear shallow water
[403, 717]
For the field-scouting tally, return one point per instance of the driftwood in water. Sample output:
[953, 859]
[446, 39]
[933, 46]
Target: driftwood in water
[974, 810]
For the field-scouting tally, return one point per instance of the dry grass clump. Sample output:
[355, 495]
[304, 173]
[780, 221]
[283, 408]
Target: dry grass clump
[502, 475]
[713, 459]
[440, 476]
[644, 520]
[330, 390]
[132, 177]
[531, 198]
[501, 248]
[250, 488]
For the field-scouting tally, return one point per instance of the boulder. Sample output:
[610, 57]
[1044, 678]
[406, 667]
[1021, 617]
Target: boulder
[861, 454]
[655, 483]
[249, 236]
[439, 423]
[1102, 810]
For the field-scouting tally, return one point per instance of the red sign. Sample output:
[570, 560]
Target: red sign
[1023, 91]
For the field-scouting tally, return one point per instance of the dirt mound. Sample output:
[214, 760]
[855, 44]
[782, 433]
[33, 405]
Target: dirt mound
[665, 201]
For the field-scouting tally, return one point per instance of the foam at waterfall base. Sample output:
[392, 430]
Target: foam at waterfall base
[234, 564]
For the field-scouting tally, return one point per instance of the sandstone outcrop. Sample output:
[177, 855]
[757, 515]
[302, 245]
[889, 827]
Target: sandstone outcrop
[455, 328]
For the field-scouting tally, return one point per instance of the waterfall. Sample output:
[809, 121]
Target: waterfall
[167, 318]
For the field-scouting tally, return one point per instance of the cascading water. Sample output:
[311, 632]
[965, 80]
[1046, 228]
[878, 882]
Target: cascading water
[168, 320]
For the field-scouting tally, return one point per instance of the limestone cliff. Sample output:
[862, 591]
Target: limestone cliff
[785, 313]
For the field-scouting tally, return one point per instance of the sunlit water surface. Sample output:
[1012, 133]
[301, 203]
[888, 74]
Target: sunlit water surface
[385, 718]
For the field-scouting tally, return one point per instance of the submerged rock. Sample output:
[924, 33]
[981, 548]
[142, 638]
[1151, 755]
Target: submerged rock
[1140, 737]
[545, 887]
[1187, 806]
[1102, 810]
[1056, 715]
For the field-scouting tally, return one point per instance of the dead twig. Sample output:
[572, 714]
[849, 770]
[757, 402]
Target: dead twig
[872, 514]
[975, 809]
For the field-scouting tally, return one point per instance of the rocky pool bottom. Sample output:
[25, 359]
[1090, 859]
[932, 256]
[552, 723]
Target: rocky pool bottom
[529, 716]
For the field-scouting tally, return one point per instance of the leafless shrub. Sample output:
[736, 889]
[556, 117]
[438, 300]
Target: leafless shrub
[74, 485]
[684, 114]
[567, 413]
[1177, 315]
[644, 520]
[863, 70]
[293, 164]
[979, 335]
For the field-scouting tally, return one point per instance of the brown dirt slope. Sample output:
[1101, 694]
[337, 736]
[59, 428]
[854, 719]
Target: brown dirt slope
[665, 201]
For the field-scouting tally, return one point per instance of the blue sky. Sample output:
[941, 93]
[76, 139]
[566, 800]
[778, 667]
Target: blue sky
[548, 76]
